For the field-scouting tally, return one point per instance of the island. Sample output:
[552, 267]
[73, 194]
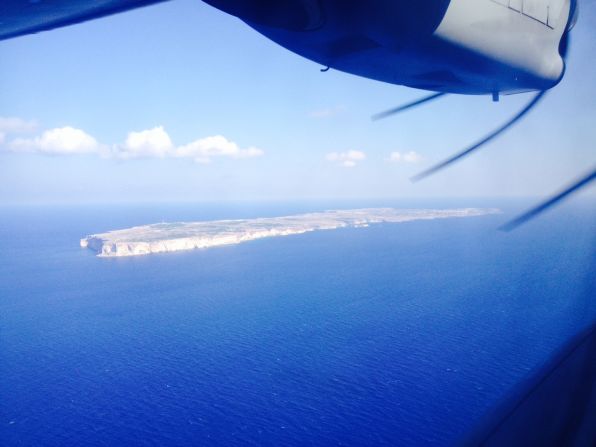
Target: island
[169, 237]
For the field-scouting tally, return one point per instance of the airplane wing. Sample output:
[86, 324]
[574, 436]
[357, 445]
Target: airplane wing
[20, 17]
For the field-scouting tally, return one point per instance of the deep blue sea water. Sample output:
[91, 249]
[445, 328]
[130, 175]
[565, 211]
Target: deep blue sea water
[395, 334]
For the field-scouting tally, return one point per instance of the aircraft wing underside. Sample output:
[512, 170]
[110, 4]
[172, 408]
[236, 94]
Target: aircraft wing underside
[20, 17]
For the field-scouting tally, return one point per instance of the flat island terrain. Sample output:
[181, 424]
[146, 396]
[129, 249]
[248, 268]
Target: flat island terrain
[167, 237]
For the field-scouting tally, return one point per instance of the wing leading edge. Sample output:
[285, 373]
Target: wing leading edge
[18, 17]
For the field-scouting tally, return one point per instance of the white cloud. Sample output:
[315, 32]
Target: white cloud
[150, 143]
[327, 113]
[250, 152]
[412, 157]
[408, 157]
[16, 125]
[395, 157]
[347, 159]
[204, 149]
[59, 141]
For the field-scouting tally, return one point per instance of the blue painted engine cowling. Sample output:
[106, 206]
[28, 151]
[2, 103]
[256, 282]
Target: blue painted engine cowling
[387, 20]
[292, 15]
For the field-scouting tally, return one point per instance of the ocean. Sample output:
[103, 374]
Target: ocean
[396, 334]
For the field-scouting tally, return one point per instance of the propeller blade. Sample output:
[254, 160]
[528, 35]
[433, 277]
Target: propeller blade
[530, 214]
[482, 142]
[410, 105]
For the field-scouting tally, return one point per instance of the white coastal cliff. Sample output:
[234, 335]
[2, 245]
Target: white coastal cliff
[167, 237]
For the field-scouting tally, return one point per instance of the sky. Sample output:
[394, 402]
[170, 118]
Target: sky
[181, 102]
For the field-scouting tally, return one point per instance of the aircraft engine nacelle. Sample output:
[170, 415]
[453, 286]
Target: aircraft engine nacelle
[459, 46]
